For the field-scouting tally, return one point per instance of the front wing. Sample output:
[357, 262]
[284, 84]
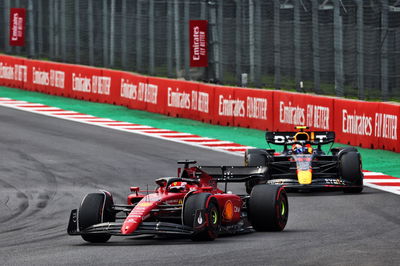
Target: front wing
[317, 184]
[114, 228]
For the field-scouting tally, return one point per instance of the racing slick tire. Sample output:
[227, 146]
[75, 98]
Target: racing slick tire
[255, 157]
[350, 169]
[208, 226]
[268, 208]
[94, 209]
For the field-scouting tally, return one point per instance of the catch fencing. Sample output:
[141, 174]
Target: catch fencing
[336, 47]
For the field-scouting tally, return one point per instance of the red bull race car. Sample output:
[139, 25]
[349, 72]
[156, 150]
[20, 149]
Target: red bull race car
[302, 165]
[190, 205]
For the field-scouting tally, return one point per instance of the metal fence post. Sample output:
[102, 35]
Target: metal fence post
[360, 49]
[31, 51]
[112, 33]
[384, 49]
[177, 38]
[220, 39]
[63, 41]
[258, 56]
[170, 12]
[6, 13]
[315, 45]
[51, 28]
[138, 38]
[277, 44]
[186, 56]
[90, 32]
[238, 41]
[124, 55]
[215, 42]
[105, 33]
[151, 37]
[56, 30]
[338, 46]
[251, 41]
[40, 28]
[297, 45]
[76, 32]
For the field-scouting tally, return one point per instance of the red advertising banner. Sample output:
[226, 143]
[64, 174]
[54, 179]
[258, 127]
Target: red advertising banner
[297, 109]
[374, 125]
[17, 26]
[256, 108]
[198, 43]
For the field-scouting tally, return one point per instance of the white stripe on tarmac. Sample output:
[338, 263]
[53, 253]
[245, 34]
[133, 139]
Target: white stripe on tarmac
[397, 180]
[372, 174]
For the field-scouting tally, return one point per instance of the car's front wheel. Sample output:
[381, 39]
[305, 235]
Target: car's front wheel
[350, 169]
[207, 221]
[94, 209]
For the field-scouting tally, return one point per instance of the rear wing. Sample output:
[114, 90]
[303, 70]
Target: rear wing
[231, 174]
[311, 137]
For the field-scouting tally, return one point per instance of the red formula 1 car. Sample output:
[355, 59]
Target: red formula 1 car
[188, 205]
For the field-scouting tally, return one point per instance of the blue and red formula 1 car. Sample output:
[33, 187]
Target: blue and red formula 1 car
[304, 166]
[188, 205]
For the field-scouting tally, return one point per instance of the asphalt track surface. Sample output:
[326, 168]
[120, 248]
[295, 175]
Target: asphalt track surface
[47, 165]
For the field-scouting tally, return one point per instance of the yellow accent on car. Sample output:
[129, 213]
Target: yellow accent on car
[302, 127]
[301, 136]
[304, 177]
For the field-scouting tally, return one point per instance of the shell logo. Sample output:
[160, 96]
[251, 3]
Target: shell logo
[228, 211]
[145, 204]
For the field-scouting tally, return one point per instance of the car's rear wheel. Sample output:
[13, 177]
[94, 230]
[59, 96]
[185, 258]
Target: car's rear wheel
[350, 169]
[208, 225]
[94, 209]
[268, 208]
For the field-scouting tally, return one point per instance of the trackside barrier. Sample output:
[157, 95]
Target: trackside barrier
[366, 124]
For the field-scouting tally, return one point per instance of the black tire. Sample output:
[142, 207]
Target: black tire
[268, 208]
[94, 209]
[255, 157]
[351, 170]
[198, 202]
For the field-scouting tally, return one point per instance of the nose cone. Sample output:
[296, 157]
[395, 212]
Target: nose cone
[129, 226]
[304, 177]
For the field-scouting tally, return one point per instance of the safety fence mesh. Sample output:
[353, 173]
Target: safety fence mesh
[335, 47]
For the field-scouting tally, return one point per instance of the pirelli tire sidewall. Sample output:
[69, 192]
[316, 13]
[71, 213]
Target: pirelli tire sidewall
[94, 209]
[350, 170]
[202, 201]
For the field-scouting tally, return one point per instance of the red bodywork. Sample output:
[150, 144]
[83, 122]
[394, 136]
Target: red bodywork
[230, 205]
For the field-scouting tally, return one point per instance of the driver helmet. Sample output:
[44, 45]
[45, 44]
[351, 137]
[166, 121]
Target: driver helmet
[298, 149]
[177, 187]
